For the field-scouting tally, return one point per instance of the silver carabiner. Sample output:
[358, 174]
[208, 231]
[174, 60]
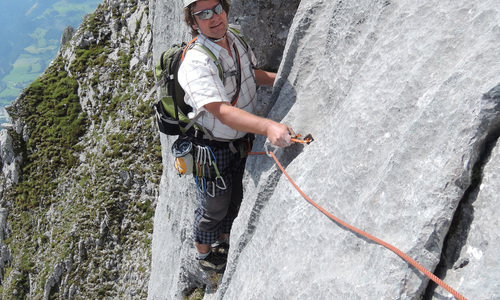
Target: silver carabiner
[211, 183]
[268, 144]
[223, 186]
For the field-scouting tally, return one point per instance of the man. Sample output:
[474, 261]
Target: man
[226, 107]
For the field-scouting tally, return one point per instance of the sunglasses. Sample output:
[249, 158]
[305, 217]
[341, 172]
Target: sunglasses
[207, 14]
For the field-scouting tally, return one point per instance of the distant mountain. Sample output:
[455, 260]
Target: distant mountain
[31, 32]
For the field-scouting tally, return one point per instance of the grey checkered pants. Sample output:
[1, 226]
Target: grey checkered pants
[215, 215]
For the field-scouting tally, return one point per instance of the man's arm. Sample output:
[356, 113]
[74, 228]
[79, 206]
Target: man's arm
[238, 119]
[264, 77]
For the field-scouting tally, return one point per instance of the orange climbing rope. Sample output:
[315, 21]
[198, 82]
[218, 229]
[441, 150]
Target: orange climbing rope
[367, 235]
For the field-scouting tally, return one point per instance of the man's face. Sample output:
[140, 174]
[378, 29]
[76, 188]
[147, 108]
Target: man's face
[214, 27]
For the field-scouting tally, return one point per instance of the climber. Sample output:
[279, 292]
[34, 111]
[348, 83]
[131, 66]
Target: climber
[230, 122]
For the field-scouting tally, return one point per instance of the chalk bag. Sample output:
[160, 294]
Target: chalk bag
[182, 149]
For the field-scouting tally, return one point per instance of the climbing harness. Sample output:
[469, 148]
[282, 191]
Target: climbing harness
[308, 139]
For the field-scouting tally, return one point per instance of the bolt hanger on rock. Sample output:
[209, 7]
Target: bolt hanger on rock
[306, 140]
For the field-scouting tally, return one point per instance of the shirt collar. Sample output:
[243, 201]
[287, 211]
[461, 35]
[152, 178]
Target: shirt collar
[216, 49]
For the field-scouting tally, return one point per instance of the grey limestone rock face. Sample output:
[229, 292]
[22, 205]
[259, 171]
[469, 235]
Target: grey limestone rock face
[394, 95]
[266, 25]
[472, 267]
[67, 35]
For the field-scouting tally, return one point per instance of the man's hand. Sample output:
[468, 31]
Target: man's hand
[280, 135]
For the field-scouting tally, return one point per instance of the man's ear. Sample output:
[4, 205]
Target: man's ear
[196, 28]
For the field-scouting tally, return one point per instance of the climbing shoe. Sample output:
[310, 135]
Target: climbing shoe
[213, 262]
[221, 249]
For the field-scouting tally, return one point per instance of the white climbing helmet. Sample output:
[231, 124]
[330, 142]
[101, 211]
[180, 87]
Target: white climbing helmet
[187, 2]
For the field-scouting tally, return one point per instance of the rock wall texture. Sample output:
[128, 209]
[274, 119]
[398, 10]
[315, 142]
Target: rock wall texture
[403, 101]
[475, 268]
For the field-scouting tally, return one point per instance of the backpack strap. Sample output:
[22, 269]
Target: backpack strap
[150, 93]
[243, 40]
[218, 64]
[239, 35]
[238, 76]
[222, 75]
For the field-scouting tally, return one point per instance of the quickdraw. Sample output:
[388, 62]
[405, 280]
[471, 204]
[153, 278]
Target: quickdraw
[205, 159]
[306, 140]
[218, 178]
[296, 139]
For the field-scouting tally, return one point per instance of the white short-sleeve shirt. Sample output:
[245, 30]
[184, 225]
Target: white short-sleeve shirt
[199, 77]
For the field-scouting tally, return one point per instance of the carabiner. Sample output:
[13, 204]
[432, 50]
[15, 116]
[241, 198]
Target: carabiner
[218, 178]
[211, 183]
[223, 186]
[306, 140]
[201, 184]
[267, 144]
